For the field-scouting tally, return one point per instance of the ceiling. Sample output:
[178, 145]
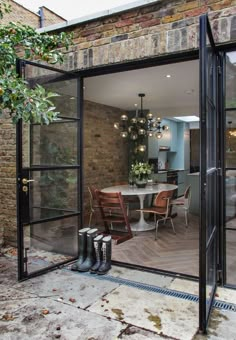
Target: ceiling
[164, 97]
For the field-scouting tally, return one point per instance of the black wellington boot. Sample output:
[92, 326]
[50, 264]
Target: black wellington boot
[90, 259]
[106, 256]
[97, 242]
[82, 248]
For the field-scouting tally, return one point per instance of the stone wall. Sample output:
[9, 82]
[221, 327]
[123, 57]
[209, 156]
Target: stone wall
[50, 18]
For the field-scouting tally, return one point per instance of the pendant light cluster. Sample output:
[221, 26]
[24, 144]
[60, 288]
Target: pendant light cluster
[140, 126]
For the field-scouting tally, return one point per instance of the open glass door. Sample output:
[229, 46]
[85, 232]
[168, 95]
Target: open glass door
[49, 177]
[210, 171]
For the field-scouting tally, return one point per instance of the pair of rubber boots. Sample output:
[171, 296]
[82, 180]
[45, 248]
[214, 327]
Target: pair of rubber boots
[94, 252]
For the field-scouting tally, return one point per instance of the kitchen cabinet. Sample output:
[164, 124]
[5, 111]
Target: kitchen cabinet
[169, 139]
[182, 181]
[181, 158]
[161, 177]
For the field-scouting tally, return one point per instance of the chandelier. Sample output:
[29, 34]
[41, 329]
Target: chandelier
[140, 125]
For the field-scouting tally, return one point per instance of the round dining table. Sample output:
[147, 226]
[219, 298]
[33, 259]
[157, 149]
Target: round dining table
[127, 190]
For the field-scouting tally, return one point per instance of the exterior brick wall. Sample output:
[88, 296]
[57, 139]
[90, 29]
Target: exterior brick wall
[21, 14]
[162, 28]
[7, 181]
[51, 18]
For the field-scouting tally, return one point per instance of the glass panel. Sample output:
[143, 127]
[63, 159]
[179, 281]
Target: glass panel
[230, 139]
[231, 79]
[230, 209]
[53, 193]
[56, 82]
[54, 144]
[210, 272]
[211, 203]
[230, 254]
[50, 243]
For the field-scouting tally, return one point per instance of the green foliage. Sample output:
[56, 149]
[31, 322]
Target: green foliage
[21, 101]
[4, 8]
[140, 170]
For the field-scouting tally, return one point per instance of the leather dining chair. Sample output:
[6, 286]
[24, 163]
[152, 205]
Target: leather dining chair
[161, 209]
[183, 202]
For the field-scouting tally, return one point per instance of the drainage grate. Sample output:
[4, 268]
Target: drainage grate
[155, 289]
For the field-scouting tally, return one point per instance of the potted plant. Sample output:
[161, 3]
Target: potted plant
[141, 172]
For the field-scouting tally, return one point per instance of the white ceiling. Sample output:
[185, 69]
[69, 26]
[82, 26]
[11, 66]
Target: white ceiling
[165, 97]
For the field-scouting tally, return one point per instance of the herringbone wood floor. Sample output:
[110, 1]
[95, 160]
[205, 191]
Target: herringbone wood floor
[177, 253]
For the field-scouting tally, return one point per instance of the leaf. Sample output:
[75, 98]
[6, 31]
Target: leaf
[72, 300]
[45, 312]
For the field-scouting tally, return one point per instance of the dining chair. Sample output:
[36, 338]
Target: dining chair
[113, 213]
[161, 209]
[92, 203]
[184, 203]
[130, 201]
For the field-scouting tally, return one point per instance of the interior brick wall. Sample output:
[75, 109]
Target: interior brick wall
[105, 153]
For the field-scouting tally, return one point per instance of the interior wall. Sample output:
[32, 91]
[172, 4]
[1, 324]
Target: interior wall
[105, 152]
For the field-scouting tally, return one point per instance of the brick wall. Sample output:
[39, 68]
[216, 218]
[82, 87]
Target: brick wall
[21, 14]
[7, 181]
[105, 153]
[158, 29]
[50, 17]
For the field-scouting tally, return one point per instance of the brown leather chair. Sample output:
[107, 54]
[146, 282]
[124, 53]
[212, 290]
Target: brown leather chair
[113, 213]
[161, 209]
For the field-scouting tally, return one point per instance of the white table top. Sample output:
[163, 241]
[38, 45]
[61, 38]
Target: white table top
[149, 189]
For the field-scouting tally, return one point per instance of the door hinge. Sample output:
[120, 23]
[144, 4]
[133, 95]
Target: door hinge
[25, 260]
[219, 275]
[219, 172]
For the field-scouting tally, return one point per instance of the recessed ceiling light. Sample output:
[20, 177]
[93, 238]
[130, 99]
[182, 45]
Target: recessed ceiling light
[168, 76]
[188, 119]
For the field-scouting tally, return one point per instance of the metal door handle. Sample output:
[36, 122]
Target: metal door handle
[25, 180]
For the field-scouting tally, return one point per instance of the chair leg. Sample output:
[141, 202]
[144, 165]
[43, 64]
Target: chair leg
[172, 225]
[157, 225]
[186, 218]
[90, 218]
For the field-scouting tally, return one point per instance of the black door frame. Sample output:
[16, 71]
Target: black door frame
[21, 172]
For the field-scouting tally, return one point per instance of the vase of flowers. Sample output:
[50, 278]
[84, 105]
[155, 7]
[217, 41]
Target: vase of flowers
[141, 172]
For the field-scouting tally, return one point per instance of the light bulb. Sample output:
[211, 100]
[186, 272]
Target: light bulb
[142, 120]
[150, 133]
[124, 117]
[133, 120]
[141, 148]
[134, 136]
[116, 126]
[141, 132]
[158, 135]
[124, 134]
[149, 115]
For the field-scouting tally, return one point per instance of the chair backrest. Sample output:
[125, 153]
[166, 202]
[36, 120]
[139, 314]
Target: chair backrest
[112, 207]
[92, 196]
[162, 199]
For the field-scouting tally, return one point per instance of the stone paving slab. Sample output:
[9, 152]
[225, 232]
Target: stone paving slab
[159, 313]
[62, 321]
[221, 326]
[7, 293]
[69, 287]
[135, 333]
[140, 276]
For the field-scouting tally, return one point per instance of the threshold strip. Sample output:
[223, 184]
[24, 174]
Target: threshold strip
[218, 304]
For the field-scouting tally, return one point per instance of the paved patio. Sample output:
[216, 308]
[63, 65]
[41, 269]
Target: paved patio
[125, 304]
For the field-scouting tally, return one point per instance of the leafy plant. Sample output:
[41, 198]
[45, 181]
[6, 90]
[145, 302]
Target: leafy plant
[141, 170]
[16, 97]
